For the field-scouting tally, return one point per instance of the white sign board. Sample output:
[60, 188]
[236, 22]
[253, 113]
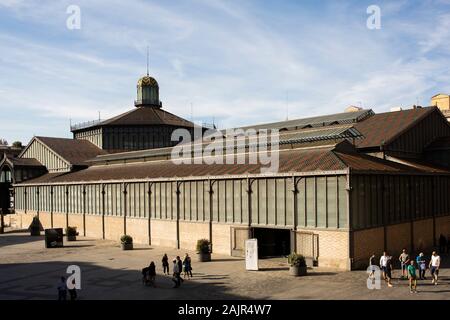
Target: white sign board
[251, 254]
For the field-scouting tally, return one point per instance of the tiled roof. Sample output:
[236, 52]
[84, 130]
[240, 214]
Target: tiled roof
[323, 135]
[383, 127]
[363, 162]
[142, 116]
[76, 152]
[24, 162]
[319, 121]
[9, 151]
[317, 159]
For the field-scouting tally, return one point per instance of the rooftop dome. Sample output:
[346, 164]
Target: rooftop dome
[147, 81]
[147, 92]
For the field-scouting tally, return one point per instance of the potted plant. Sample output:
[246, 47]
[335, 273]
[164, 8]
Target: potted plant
[35, 227]
[71, 233]
[203, 250]
[126, 242]
[297, 265]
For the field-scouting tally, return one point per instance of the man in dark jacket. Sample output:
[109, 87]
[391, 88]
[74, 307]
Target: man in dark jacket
[180, 268]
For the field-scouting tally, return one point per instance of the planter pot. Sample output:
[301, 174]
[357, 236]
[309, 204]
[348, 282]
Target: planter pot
[71, 238]
[127, 246]
[203, 257]
[35, 232]
[297, 271]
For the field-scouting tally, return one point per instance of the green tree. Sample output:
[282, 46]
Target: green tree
[17, 144]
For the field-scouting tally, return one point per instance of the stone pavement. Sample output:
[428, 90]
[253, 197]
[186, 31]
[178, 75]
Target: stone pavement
[29, 271]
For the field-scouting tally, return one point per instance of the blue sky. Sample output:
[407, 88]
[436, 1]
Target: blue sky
[239, 62]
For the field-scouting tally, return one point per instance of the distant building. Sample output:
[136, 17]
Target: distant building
[442, 101]
[348, 185]
[353, 109]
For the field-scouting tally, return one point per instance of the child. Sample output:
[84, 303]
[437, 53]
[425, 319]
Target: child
[411, 270]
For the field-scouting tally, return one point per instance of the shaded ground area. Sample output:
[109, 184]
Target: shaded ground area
[29, 271]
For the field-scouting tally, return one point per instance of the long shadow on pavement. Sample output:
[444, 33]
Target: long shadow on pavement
[39, 281]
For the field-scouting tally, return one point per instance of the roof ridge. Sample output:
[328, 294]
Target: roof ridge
[334, 152]
[107, 121]
[56, 153]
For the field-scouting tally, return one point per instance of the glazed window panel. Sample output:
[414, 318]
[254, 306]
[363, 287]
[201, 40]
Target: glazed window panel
[342, 181]
[194, 200]
[215, 202]
[237, 201]
[301, 202]
[229, 201]
[310, 202]
[332, 202]
[271, 201]
[222, 200]
[280, 201]
[321, 190]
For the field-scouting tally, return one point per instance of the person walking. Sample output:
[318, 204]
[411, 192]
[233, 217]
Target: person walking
[152, 274]
[372, 266]
[386, 266]
[383, 260]
[165, 264]
[435, 262]
[389, 268]
[411, 270]
[176, 274]
[442, 243]
[422, 265]
[187, 268]
[73, 291]
[404, 263]
[180, 269]
[62, 289]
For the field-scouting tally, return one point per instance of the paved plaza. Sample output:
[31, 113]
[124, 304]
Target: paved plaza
[29, 271]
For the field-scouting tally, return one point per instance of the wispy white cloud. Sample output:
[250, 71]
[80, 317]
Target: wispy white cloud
[235, 62]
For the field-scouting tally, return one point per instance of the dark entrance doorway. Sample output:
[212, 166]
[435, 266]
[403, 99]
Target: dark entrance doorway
[272, 242]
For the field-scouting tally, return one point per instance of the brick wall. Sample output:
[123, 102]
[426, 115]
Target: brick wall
[59, 220]
[76, 220]
[365, 243]
[23, 220]
[398, 237]
[94, 226]
[442, 227]
[332, 248]
[164, 233]
[221, 238]
[138, 229]
[190, 232]
[423, 234]
[114, 228]
[46, 219]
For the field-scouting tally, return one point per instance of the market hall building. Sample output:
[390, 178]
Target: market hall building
[348, 185]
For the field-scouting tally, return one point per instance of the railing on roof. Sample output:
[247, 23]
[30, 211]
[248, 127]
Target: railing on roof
[85, 124]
